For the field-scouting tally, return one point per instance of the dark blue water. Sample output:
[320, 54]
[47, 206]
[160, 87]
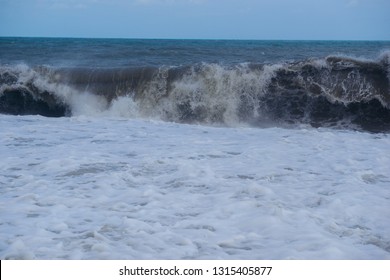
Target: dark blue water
[343, 84]
[67, 52]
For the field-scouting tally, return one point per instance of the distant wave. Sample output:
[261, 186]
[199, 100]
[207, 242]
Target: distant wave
[335, 91]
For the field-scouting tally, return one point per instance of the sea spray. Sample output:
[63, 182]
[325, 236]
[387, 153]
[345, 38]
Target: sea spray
[333, 91]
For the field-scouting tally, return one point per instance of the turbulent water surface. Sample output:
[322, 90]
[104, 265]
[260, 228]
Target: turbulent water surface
[194, 149]
[339, 84]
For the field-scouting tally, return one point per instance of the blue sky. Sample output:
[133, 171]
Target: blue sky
[198, 19]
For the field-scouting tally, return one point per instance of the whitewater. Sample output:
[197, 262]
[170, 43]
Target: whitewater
[177, 149]
[88, 188]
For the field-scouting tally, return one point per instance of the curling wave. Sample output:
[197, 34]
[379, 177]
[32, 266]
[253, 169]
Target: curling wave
[334, 92]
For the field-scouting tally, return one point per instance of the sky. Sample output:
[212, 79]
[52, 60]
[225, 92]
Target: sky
[198, 19]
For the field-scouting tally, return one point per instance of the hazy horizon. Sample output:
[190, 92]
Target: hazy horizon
[345, 20]
[197, 39]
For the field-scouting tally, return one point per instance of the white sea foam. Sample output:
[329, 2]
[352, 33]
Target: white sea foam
[111, 188]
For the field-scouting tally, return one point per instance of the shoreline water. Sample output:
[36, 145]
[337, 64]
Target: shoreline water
[93, 188]
[197, 150]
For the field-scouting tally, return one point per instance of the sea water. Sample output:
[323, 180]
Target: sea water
[192, 149]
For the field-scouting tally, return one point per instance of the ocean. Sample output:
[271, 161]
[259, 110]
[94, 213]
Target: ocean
[194, 149]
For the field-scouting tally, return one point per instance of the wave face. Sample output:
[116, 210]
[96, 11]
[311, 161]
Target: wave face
[335, 91]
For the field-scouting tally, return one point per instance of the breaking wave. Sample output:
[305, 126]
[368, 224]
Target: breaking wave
[335, 91]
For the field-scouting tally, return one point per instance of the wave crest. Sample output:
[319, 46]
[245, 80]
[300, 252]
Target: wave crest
[334, 91]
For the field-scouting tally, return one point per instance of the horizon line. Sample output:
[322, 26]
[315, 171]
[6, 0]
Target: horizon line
[190, 39]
